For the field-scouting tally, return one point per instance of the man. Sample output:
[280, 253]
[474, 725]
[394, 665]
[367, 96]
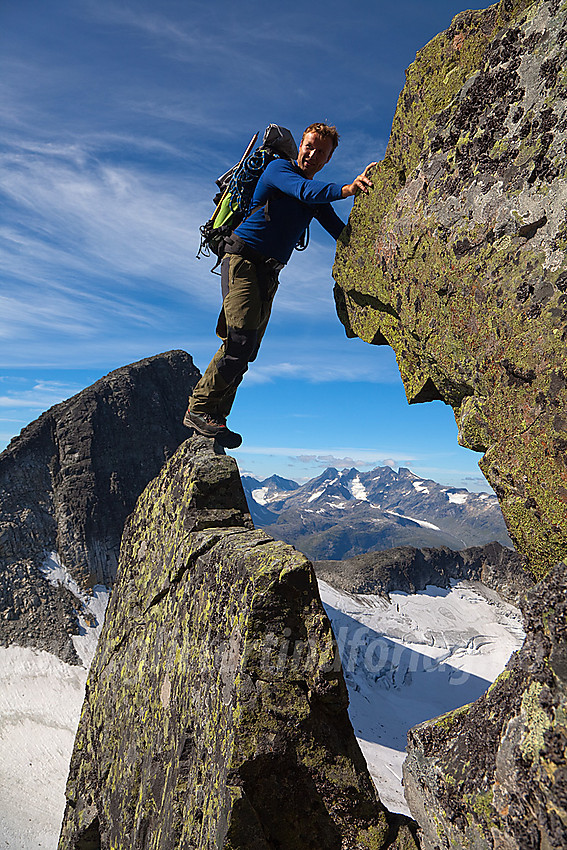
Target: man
[285, 200]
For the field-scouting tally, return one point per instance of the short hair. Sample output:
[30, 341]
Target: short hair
[327, 131]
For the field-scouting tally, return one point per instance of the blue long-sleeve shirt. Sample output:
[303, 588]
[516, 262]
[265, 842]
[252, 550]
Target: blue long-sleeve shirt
[293, 201]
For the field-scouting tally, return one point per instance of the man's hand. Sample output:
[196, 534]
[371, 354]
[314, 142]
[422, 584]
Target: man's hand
[360, 184]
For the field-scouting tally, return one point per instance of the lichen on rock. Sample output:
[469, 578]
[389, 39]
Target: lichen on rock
[457, 259]
[216, 710]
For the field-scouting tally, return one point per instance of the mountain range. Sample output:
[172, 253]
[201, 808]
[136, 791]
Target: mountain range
[340, 514]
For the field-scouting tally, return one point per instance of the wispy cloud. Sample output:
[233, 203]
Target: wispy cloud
[194, 39]
[105, 218]
[324, 360]
[348, 461]
[325, 456]
[93, 248]
[41, 396]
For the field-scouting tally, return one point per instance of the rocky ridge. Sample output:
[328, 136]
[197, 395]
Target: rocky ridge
[457, 260]
[410, 570]
[67, 484]
[215, 694]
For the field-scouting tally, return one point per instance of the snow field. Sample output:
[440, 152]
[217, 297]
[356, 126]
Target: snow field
[415, 657]
[40, 705]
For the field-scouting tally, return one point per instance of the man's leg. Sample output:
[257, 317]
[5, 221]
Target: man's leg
[241, 326]
[225, 403]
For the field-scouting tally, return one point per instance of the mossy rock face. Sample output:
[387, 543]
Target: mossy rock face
[457, 258]
[216, 709]
[493, 774]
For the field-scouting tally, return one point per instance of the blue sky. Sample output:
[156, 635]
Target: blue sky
[117, 117]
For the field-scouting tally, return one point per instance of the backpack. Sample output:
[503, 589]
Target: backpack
[236, 187]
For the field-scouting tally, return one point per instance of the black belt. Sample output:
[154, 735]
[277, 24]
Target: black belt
[233, 244]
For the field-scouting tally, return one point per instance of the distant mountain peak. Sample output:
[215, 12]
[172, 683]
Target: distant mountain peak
[341, 514]
[404, 472]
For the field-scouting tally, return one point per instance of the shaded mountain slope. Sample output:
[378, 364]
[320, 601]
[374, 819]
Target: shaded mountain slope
[67, 484]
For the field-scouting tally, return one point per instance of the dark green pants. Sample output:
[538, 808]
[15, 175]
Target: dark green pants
[248, 292]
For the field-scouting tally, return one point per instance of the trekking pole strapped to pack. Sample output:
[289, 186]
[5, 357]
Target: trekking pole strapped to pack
[237, 187]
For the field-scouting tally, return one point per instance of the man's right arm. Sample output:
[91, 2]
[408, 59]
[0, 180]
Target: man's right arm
[282, 175]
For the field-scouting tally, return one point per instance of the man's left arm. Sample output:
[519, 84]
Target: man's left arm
[362, 183]
[327, 217]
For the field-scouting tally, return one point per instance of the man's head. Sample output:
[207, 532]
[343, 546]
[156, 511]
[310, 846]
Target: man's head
[316, 148]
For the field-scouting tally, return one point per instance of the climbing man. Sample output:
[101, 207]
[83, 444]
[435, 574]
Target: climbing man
[285, 201]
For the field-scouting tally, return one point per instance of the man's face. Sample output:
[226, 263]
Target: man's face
[315, 151]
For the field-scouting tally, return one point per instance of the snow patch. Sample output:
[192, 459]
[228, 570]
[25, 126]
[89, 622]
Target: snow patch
[315, 495]
[457, 498]
[260, 495]
[422, 522]
[357, 489]
[421, 488]
[408, 658]
[93, 607]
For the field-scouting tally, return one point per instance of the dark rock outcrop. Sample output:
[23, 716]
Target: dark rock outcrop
[215, 714]
[408, 569]
[67, 484]
[457, 260]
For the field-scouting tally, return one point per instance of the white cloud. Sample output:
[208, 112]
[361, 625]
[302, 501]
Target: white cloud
[322, 360]
[43, 395]
[109, 219]
[229, 39]
[322, 456]
[339, 462]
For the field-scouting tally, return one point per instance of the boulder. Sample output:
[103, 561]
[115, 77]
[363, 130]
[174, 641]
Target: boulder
[216, 710]
[457, 257]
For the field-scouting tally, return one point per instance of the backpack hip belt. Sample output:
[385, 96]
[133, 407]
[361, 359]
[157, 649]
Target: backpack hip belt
[235, 245]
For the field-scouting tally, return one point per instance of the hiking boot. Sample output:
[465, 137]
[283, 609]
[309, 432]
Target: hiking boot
[213, 426]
